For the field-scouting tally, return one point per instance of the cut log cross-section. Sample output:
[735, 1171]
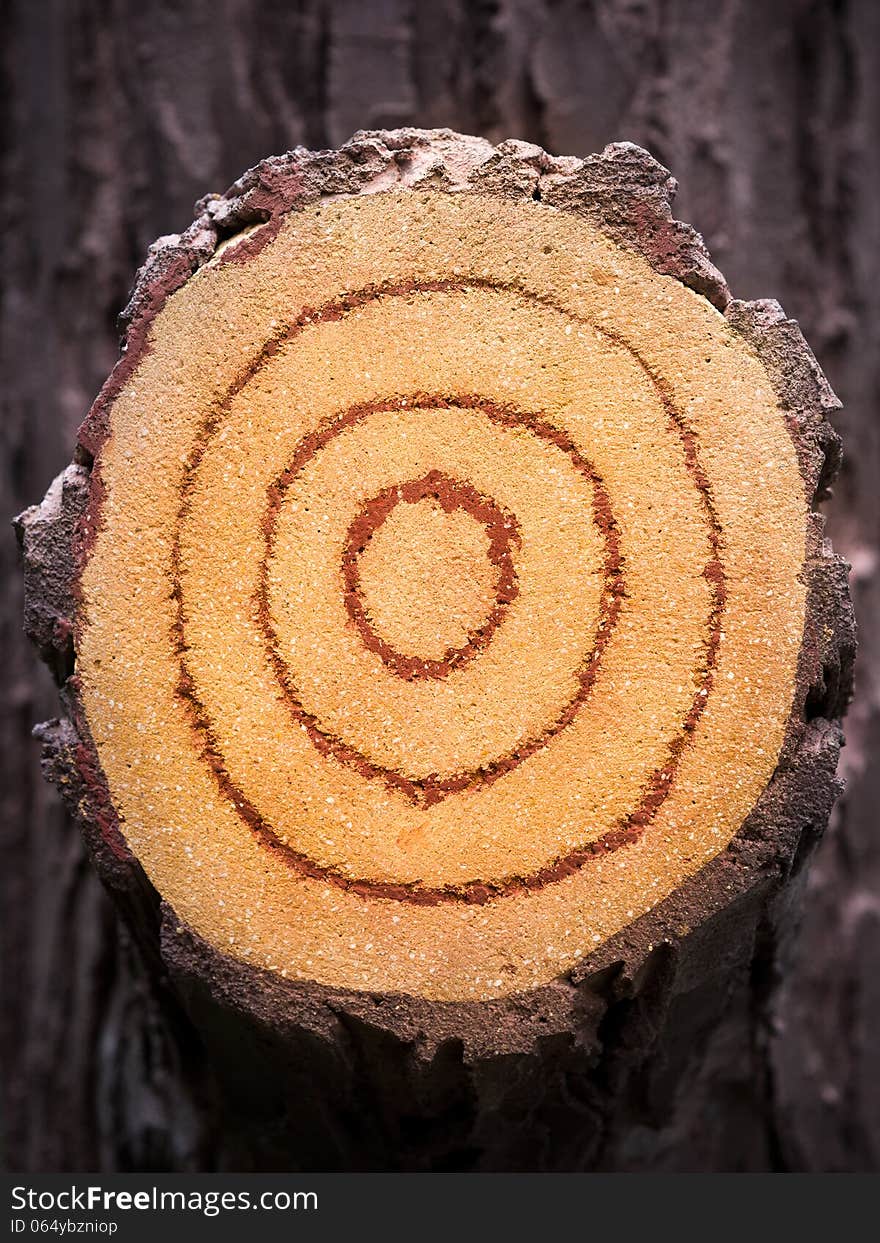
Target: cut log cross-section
[450, 618]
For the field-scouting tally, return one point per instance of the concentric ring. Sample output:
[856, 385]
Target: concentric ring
[502, 530]
[432, 789]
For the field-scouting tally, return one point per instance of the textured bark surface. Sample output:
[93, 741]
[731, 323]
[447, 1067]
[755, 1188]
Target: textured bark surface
[116, 122]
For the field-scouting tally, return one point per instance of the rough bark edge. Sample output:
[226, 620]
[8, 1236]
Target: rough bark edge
[606, 1015]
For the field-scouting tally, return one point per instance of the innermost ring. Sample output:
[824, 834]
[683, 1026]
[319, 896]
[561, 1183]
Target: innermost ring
[452, 496]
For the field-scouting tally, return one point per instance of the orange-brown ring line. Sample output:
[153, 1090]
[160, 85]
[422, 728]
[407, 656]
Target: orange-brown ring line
[502, 529]
[431, 789]
[630, 827]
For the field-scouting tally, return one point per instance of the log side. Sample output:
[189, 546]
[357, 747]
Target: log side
[328, 1078]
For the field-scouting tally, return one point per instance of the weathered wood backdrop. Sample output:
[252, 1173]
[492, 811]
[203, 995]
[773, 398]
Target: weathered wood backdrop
[117, 116]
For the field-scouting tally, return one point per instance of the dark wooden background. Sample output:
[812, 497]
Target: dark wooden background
[117, 116]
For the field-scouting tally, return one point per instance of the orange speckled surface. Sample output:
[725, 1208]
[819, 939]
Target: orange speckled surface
[609, 410]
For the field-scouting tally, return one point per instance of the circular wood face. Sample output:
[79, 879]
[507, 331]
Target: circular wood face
[446, 604]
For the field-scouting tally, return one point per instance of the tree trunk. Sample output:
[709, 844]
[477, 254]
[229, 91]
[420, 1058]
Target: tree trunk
[118, 120]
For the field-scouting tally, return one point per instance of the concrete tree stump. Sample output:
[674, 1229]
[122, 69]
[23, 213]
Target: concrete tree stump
[450, 653]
